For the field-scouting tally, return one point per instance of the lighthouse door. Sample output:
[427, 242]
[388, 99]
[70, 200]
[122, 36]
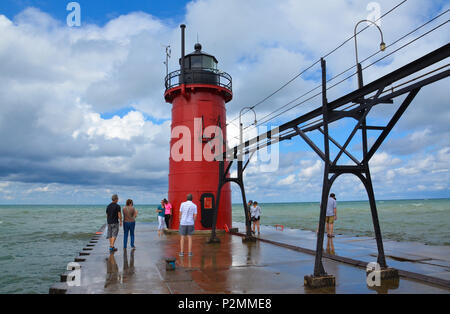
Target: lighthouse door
[208, 206]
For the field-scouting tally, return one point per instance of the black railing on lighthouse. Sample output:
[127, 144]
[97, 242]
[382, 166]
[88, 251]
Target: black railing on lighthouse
[199, 76]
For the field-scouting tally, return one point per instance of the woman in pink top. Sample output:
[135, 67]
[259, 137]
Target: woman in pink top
[168, 212]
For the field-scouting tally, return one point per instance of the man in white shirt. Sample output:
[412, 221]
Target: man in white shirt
[331, 215]
[188, 215]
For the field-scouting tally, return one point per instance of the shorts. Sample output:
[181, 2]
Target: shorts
[186, 230]
[161, 223]
[113, 231]
[329, 220]
[255, 219]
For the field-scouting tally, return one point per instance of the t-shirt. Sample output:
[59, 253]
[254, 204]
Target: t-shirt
[112, 212]
[331, 205]
[168, 207]
[187, 212]
[161, 213]
[128, 214]
[255, 211]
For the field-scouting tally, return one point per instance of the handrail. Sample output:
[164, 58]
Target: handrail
[199, 76]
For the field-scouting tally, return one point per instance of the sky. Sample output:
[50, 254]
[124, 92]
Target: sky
[82, 112]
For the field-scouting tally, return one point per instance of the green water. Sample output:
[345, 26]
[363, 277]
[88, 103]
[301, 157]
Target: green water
[37, 242]
[425, 221]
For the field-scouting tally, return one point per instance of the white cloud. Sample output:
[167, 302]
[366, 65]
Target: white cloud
[124, 128]
[289, 180]
[42, 189]
[55, 83]
[382, 161]
[313, 171]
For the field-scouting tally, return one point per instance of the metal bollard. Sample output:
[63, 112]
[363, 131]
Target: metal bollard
[170, 263]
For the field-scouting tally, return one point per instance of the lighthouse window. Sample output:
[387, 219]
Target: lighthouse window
[208, 63]
[196, 62]
[186, 63]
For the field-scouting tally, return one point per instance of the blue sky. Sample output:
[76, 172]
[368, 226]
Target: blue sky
[82, 112]
[99, 12]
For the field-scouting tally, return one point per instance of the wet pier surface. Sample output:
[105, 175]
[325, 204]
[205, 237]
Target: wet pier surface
[236, 267]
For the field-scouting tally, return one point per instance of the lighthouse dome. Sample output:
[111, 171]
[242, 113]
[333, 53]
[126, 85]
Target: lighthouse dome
[199, 59]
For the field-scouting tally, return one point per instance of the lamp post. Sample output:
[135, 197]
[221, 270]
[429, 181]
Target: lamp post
[241, 126]
[358, 65]
[248, 236]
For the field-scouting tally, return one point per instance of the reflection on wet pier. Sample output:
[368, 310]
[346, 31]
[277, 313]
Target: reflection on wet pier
[236, 267]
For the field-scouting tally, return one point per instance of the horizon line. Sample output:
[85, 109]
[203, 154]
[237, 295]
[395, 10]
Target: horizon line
[262, 202]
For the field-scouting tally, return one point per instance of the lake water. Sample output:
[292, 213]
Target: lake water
[37, 242]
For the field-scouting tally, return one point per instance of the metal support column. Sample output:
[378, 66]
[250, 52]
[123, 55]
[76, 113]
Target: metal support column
[318, 267]
[367, 181]
[222, 176]
[240, 182]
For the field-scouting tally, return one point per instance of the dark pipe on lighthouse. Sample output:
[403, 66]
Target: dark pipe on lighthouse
[183, 27]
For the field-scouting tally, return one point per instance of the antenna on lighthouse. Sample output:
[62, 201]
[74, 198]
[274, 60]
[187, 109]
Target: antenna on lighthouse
[168, 55]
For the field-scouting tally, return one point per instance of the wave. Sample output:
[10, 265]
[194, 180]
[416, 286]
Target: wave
[71, 235]
[41, 235]
[6, 258]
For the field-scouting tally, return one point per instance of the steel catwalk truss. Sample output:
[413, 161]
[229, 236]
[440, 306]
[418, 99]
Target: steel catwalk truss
[363, 100]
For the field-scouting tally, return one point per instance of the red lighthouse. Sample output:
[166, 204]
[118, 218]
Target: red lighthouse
[198, 93]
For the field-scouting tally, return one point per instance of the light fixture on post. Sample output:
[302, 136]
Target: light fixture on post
[358, 65]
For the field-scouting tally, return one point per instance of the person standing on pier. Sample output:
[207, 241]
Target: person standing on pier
[249, 207]
[255, 212]
[168, 212]
[331, 215]
[160, 210]
[113, 215]
[188, 215]
[129, 223]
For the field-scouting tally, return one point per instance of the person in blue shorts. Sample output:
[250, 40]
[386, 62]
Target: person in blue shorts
[188, 215]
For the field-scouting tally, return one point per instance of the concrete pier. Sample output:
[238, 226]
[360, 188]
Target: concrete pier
[236, 267]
